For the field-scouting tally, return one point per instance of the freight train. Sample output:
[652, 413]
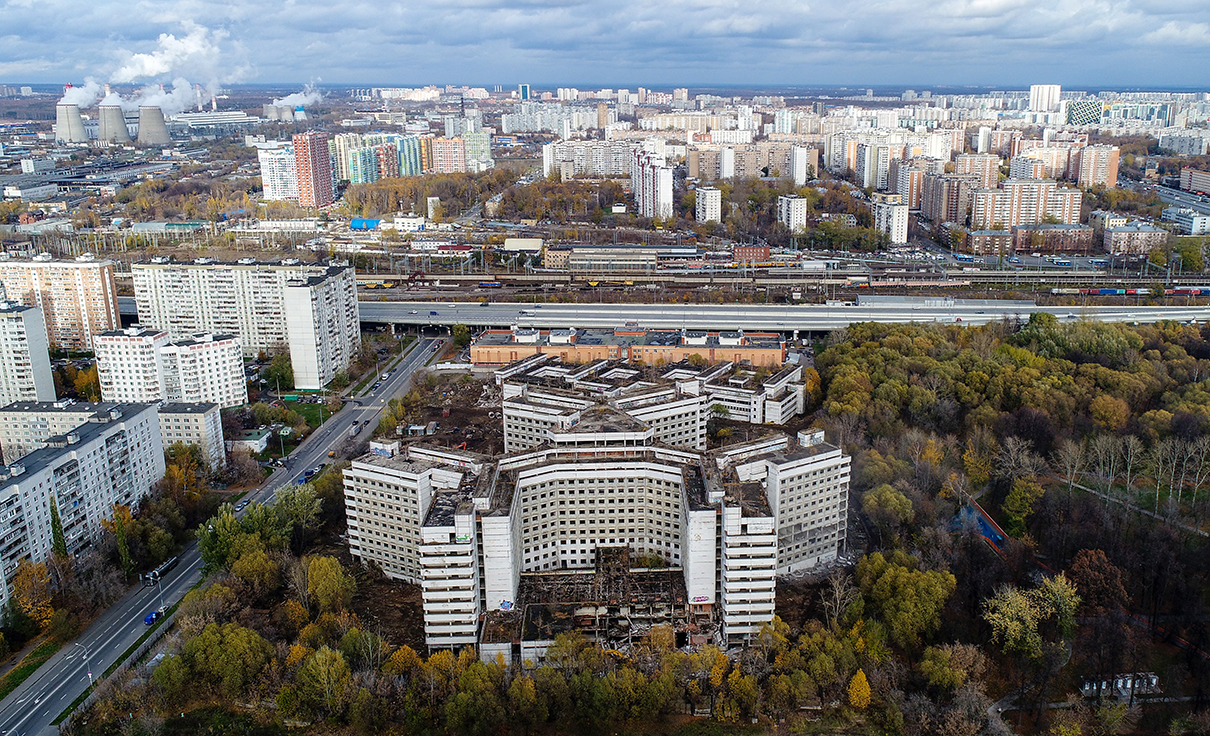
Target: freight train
[1175, 291]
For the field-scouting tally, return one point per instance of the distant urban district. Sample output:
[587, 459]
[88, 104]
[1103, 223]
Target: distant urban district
[380, 396]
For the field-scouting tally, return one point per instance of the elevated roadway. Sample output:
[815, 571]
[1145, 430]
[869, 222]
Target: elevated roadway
[750, 317]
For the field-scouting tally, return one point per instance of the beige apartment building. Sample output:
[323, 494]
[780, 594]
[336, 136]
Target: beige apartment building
[78, 298]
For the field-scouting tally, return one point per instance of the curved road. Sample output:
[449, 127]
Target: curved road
[44, 695]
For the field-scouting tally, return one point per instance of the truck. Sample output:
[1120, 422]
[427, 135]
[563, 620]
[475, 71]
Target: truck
[353, 429]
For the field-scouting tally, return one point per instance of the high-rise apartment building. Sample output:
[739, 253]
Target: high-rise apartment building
[313, 166]
[947, 197]
[1098, 166]
[651, 181]
[1044, 97]
[114, 455]
[278, 175]
[708, 205]
[890, 216]
[792, 212]
[1024, 202]
[25, 372]
[474, 530]
[1027, 167]
[142, 365]
[323, 325]
[129, 364]
[906, 177]
[449, 155]
[77, 298]
[986, 166]
[523, 92]
[195, 424]
[249, 300]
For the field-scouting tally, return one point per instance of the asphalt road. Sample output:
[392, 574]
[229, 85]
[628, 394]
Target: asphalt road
[44, 695]
[751, 317]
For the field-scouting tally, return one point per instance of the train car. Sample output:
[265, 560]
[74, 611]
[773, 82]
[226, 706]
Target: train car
[1064, 292]
[490, 285]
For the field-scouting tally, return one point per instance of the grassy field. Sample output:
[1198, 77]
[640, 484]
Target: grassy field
[28, 666]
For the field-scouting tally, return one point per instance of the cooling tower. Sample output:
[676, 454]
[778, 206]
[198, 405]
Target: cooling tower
[113, 124]
[269, 111]
[69, 126]
[152, 130]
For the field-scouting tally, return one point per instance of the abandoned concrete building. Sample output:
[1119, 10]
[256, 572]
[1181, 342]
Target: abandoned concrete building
[606, 514]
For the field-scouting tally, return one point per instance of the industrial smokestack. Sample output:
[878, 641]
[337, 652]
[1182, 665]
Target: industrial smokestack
[113, 124]
[152, 130]
[69, 126]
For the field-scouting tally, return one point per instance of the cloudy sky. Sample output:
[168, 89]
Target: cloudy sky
[1078, 43]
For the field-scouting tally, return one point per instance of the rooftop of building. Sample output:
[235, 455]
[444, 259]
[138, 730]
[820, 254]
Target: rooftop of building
[188, 408]
[68, 406]
[1052, 226]
[625, 337]
[398, 463]
[56, 446]
[1135, 227]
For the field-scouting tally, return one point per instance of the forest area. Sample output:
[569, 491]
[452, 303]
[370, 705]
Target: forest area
[1087, 444]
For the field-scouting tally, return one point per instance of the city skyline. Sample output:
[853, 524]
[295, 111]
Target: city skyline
[1008, 43]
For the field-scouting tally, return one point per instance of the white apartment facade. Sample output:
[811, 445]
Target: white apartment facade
[204, 368]
[708, 205]
[249, 300]
[195, 424]
[278, 173]
[25, 371]
[115, 456]
[143, 365]
[651, 182]
[323, 326]
[792, 212]
[890, 217]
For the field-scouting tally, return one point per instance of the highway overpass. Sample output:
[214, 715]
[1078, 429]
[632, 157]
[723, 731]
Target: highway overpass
[751, 317]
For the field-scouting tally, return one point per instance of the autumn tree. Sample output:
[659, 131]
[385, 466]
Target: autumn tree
[323, 679]
[859, 691]
[31, 591]
[1018, 506]
[328, 584]
[908, 600]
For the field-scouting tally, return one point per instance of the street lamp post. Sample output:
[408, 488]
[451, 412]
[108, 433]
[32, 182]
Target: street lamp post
[87, 664]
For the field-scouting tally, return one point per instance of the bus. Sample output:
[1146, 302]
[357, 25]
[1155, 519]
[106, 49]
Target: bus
[964, 258]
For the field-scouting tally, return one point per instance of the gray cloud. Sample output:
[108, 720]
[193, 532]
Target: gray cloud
[625, 42]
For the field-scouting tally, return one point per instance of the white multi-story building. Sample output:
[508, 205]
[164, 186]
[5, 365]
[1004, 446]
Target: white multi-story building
[142, 365]
[195, 424]
[890, 216]
[792, 212]
[708, 205]
[651, 181]
[278, 175]
[114, 456]
[591, 157]
[25, 372]
[129, 364]
[1189, 221]
[323, 326]
[204, 368]
[602, 469]
[1044, 97]
[249, 300]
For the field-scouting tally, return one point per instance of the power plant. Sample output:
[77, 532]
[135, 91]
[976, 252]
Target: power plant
[152, 129]
[113, 124]
[69, 126]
